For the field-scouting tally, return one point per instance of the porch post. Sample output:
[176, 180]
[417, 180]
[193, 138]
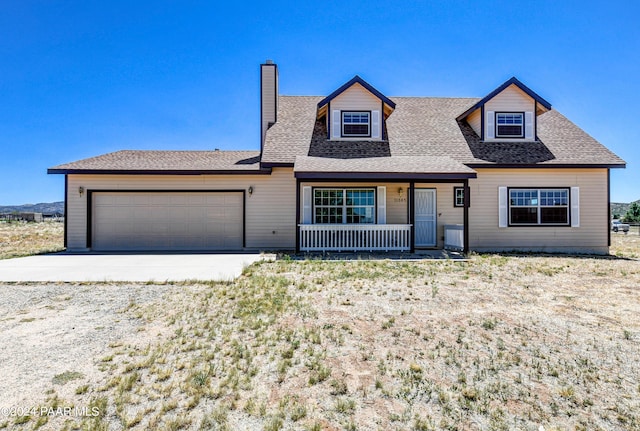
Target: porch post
[412, 241]
[297, 217]
[467, 200]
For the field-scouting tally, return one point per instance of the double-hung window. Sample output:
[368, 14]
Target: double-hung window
[344, 205]
[539, 207]
[356, 124]
[458, 196]
[509, 125]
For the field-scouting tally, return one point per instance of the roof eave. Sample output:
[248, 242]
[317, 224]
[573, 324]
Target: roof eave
[269, 165]
[159, 171]
[384, 175]
[548, 165]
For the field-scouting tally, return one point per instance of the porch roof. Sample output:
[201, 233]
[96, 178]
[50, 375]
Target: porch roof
[394, 167]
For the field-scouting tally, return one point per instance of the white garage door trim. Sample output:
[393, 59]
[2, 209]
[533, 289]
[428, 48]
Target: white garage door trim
[167, 236]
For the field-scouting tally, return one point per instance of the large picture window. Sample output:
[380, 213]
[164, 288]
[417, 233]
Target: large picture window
[539, 207]
[344, 206]
[356, 124]
[509, 125]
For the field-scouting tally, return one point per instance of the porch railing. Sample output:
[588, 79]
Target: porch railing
[454, 237]
[355, 237]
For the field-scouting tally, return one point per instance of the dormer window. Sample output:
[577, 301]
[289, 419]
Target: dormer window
[355, 110]
[509, 125]
[356, 124]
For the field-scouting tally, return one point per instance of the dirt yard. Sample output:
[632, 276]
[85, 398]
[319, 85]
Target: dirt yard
[25, 239]
[500, 342]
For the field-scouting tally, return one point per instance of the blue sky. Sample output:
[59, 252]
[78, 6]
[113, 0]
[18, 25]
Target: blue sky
[79, 79]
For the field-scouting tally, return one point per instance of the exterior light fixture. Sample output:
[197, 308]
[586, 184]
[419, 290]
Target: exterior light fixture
[81, 190]
[250, 190]
[400, 191]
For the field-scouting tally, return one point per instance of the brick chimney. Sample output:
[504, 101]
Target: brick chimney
[268, 98]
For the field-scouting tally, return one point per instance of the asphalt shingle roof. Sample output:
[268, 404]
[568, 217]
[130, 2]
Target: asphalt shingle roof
[291, 135]
[427, 126]
[159, 161]
[419, 128]
[393, 164]
[322, 147]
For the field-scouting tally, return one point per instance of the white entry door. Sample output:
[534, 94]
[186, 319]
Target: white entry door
[425, 217]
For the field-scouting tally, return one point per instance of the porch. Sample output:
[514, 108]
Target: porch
[364, 237]
[384, 204]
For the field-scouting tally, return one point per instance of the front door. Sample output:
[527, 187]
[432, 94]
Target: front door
[425, 217]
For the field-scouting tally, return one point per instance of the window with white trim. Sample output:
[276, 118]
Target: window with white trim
[509, 125]
[539, 207]
[337, 206]
[356, 124]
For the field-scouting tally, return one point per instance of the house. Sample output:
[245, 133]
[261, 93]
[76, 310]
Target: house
[357, 170]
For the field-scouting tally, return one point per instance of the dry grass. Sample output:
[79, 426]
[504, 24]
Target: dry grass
[497, 343]
[25, 239]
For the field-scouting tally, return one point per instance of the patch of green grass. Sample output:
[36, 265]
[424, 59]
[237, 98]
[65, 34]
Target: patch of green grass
[66, 377]
[345, 405]
[489, 324]
[22, 419]
[339, 387]
[274, 423]
[82, 389]
[177, 423]
[389, 323]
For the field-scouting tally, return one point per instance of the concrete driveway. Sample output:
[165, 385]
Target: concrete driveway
[126, 267]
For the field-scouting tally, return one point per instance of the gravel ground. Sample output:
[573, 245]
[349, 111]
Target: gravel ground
[50, 329]
[500, 342]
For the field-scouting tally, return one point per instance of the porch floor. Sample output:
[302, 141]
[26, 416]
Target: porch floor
[391, 255]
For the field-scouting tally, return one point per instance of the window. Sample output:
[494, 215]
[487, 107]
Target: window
[356, 124]
[539, 206]
[509, 125]
[458, 196]
[344, 205]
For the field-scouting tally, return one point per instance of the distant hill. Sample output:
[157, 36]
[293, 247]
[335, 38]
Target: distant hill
[45, 207]
[620, 208]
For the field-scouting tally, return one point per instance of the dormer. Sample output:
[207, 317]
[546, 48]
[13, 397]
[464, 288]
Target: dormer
[508, 113]
[355, 112]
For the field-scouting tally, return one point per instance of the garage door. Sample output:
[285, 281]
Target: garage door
[167, 221]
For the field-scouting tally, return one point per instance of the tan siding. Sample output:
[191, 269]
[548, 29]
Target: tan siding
[511, 99]
[357, 98]
[268, 98]
[474, 121]
[445, 211]
[397, 205]
[270, 210]
[591, 236]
